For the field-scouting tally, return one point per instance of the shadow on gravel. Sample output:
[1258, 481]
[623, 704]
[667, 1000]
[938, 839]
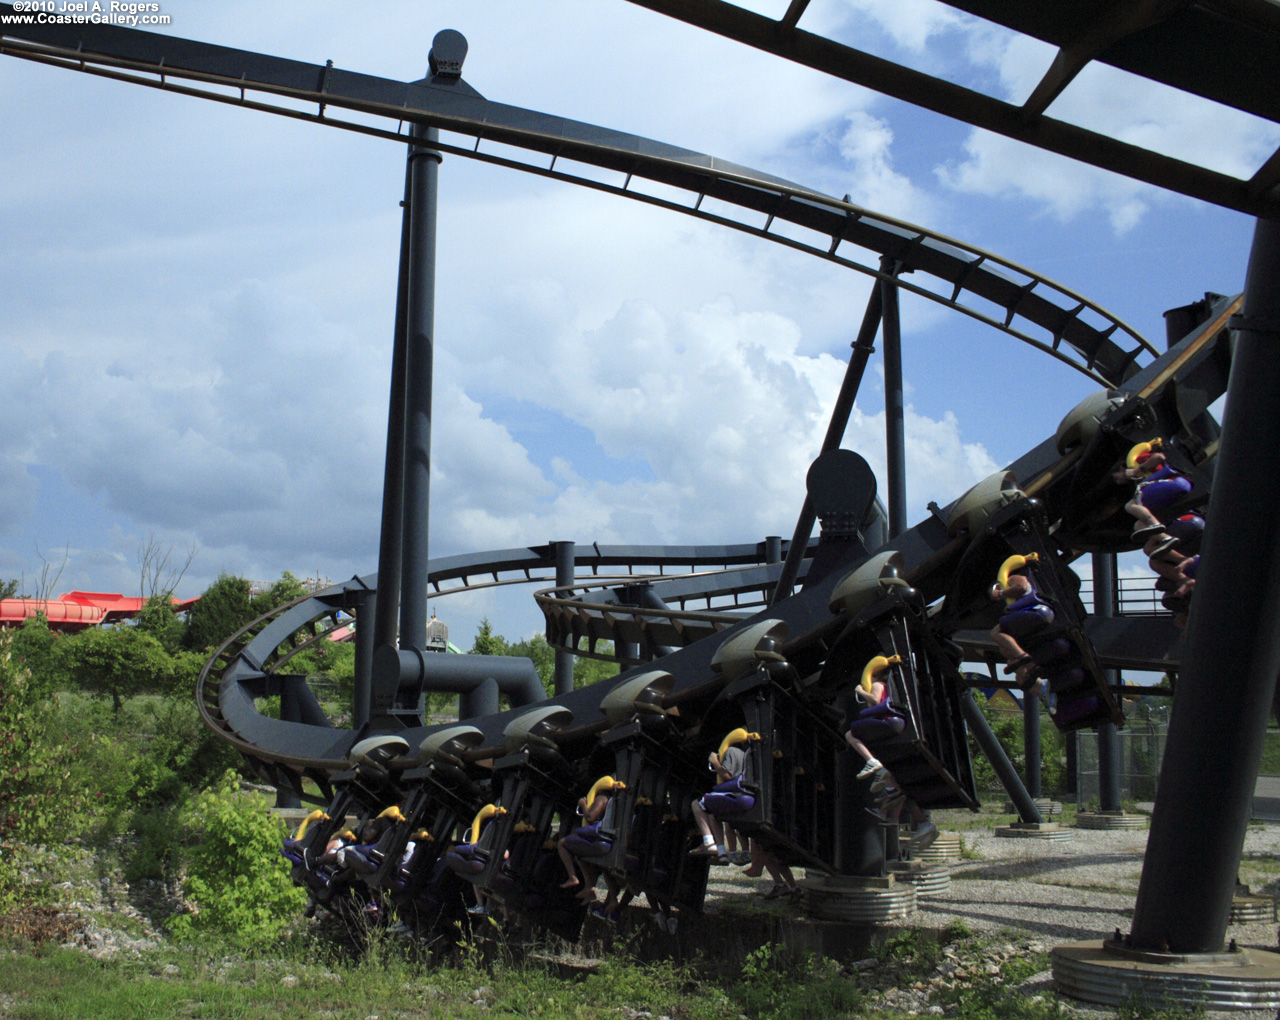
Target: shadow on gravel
[1024, 868]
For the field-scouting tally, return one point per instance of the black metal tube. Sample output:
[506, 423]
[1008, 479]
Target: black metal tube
[773, 549]
[1031, 742]
[1005, 772]
[564, 552]
[895, 436]
[1109, 753]
[386, 617]
[362, 693]
[1232, 655]
[863, 346]
[424, 166]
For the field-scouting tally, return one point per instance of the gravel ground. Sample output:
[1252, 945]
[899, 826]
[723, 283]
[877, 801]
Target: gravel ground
[1051, 892]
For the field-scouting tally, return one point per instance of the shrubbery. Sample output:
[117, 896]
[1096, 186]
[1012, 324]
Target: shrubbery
[234, 876]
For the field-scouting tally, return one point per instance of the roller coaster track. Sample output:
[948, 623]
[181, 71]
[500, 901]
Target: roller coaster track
[1029, 307]
[1032, 308]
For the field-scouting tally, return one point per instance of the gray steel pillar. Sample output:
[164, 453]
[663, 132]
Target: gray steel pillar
[424, 167]
[564, 553]
[1071, 745]
[1005, 772]
[361, 697]
[386, 624]
[1232, 657]
[1031, 742]
[862, 350]
[1109, 753]
[895, 436]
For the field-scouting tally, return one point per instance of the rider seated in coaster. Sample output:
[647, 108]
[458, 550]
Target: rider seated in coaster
[586, 840]
[877, 721]
[353, 852]
[1025, 612]
[728, 764]
[1158, 486]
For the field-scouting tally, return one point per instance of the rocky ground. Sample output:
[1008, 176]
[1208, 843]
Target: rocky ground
[1029, 895]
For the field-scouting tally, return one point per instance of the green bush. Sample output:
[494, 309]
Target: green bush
[234, 875]
[37, 792]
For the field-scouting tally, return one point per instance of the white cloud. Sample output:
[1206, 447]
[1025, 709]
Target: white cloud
[1114, 103]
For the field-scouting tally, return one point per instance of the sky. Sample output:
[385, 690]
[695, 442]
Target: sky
[198, 300]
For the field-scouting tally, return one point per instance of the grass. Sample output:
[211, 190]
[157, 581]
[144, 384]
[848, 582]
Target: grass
[300, 976]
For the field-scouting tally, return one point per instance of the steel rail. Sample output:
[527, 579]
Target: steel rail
[964, 268]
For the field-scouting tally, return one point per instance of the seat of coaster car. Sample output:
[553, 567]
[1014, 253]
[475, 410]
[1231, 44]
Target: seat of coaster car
[469, 859]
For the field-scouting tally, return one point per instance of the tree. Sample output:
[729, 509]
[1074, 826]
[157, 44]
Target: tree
[119, 661]
[34, 645]
[284, 591]
[9, 589]
[159, 570]
[158, 619]
[223, 609]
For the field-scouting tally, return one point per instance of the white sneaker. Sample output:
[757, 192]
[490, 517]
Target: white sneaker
[869, 769]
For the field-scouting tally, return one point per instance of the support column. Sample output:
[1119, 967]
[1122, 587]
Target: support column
[564, 553]
[361, 698]
[894, 408]
[1228, 677]
[1005, 772]
[1109, 753]
[1031, 742]
[424, 167]
[386, 625]
[863, 347]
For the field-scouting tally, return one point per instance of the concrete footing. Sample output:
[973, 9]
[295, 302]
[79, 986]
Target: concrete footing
[944, 849]
[928, 879]
[1047, 807]
[858, 900]
[1034, 830]
[1248, 908]
[1112, 820]
[1111, 975]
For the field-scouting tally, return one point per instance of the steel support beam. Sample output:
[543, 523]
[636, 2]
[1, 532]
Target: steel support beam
[1031, 742]
[1109, 752]
[895, 436]
[863, 346]
[424, 169]
[1219, 716]
[1005, 772]
[564, 554]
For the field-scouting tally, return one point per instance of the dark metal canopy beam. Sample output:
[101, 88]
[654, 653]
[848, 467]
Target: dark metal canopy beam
[1006, 119]
[836, 226]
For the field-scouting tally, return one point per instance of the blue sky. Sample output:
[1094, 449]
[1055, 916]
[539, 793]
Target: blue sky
[199, 299]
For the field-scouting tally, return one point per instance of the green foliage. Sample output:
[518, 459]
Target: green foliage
[223, 609]
[1007, 726]
[36, 794]
[158, 619]
[284, 591]
[9, 589]
[234, 875]
[117, 661]
[35, 645]
[776, 986]
[1141, 1007]
[585, 671]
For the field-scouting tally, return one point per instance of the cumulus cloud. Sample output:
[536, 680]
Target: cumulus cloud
[1114, 103]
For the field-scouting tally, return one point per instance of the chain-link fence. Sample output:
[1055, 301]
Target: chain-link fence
[1142, 744]
[1141, 750]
